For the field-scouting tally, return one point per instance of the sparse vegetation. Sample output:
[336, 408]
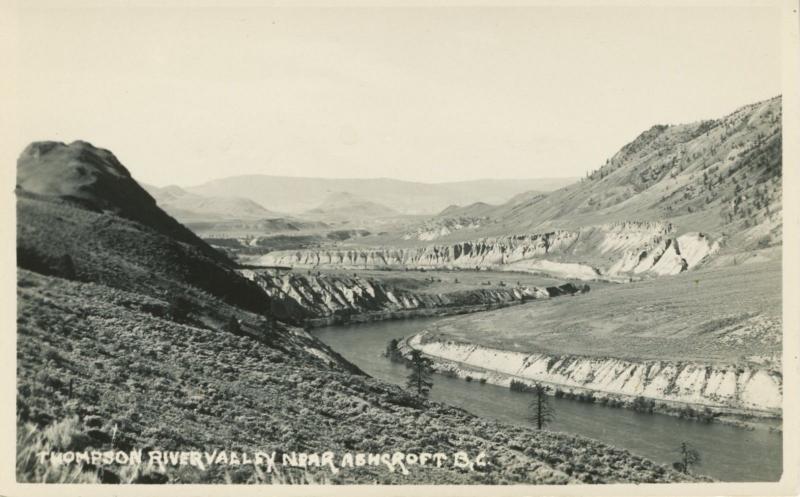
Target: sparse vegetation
[128, 338]
[731, 310]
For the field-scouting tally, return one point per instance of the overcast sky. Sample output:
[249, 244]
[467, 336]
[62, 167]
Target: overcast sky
[431, 94]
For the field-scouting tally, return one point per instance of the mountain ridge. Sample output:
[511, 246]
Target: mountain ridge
[191, 207]
[296, 195]
[347, 207]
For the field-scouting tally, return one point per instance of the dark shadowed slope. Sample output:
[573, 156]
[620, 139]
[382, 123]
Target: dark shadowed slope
[94, 179]
[80, 215]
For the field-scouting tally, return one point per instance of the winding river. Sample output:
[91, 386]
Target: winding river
[728, 453]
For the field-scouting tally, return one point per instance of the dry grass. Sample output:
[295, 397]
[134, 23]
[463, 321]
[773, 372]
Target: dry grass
[726, 315]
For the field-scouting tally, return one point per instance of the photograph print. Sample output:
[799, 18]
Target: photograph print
[519, 246]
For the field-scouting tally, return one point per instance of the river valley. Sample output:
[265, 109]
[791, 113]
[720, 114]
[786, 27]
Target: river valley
[728, 453]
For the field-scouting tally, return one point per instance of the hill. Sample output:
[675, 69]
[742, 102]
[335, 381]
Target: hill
[347, 207]
[296, 195]
[721, 177]
[94, 179]
[190, 207]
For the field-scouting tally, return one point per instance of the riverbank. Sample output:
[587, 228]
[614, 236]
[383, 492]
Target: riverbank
[320, 299]
[729, 452]
[752, 401]
[403, 314]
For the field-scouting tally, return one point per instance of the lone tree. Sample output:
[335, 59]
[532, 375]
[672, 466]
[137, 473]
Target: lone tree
[541, 412]
[689, 457]
[420, 378]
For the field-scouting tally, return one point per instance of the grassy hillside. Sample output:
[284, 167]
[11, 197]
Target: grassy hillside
[198, 388]
[63, 239]
[721, 177]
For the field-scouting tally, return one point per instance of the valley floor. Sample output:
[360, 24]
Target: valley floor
[703, 339]
[716, 316]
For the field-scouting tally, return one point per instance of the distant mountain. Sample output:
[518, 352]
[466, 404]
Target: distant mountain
[344, 206]
[478, 209]
[190, 207]
[296, 195]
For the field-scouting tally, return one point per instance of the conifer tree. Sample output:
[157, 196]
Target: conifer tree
[420, 380]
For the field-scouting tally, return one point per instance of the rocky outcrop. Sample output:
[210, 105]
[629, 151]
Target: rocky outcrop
[612, 251]
[730, 388]
[439, 227]
[325, 299]
[481, 253]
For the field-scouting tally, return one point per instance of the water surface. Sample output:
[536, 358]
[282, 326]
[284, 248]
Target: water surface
[728, 453]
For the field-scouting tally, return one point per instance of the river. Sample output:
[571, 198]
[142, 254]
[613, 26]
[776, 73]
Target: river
[728, 453]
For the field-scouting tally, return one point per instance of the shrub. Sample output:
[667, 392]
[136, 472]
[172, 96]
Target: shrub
[233, 326]
[641, 404]
[179, 308]
[392, 352]
[32, 259]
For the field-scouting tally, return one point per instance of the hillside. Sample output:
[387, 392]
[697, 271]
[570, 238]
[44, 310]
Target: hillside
[296, 195]
[721, 177]
[93, 178]
[131, 337]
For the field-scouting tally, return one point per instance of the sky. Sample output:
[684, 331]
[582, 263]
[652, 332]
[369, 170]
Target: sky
[184, 95]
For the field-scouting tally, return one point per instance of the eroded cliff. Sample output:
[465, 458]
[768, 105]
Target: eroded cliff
[611, 251]
[321, 299]
[731, 388]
